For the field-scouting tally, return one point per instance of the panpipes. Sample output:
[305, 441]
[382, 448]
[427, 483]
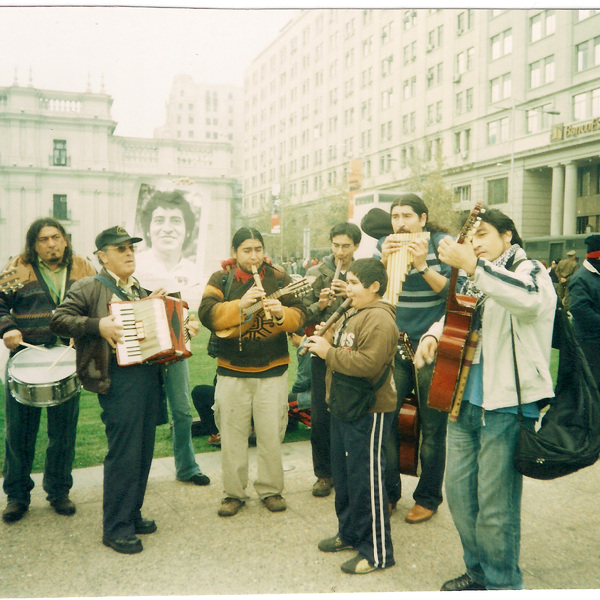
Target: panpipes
[154, 330]
[399, 263]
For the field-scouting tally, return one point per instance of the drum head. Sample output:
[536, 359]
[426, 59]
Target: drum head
[32, 366]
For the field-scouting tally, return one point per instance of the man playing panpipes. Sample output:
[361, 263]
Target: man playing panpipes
[421, 303]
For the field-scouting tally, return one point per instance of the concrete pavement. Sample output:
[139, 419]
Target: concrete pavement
[195, 552]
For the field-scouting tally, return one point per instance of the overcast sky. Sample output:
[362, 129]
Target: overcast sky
[138, 50]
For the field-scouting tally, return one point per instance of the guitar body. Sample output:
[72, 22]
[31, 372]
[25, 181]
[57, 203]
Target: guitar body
[452, 344]
[450, 354]
[297, 288]
[409, 430]
[14, 278]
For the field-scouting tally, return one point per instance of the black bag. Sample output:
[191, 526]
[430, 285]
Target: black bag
[569, 435]
[351, 398]
[212, 348]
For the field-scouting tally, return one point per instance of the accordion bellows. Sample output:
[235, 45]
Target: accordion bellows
[154, 330]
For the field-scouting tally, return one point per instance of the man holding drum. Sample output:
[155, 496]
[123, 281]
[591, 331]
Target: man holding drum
[47, 268]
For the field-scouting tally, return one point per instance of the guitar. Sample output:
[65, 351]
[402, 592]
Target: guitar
[297, 288]
[459, 311]
[14, 278]
[409, 427]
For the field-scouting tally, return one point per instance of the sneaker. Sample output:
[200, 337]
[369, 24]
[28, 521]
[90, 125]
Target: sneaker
[461, 584]
[275, 503]
[198, 479]
[322, 487]
[333, 544]
[358, 565]
[64, 506]
[230, 507]
[14, 511]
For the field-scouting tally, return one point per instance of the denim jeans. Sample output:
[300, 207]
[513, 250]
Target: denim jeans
[177, 386]
[432, 451]
[483, 490]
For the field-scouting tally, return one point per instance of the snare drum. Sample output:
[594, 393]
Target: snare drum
[33, 382]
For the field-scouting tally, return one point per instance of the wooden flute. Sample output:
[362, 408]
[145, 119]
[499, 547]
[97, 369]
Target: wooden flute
[259, 285]
[338, 269]
[339, 311]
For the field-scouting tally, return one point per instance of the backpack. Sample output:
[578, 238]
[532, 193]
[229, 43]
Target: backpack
[568, 438]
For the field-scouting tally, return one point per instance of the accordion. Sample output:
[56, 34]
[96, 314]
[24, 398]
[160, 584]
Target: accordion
[154, 330]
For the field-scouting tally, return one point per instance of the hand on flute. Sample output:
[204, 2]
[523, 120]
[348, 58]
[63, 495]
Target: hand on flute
[252, 296]
[318, 345]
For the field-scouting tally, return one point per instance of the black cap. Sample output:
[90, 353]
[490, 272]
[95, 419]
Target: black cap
[593, 243]
[114, 235]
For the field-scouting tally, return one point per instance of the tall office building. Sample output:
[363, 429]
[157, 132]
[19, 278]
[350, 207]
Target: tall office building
[510, 98]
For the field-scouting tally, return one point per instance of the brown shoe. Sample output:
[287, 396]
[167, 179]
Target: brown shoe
[230, 507]
[275, 503]
[419, 514]
[214, 439]
[322, 487]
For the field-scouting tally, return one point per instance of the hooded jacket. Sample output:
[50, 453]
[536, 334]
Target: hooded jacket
[364, 345]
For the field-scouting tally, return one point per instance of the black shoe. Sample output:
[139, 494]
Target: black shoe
[461, 584]
[63, 506]
[198, 479]
[14, 511]
[143, 526]
[126, 545]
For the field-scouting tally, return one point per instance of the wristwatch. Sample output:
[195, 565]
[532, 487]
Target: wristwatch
[424, 270]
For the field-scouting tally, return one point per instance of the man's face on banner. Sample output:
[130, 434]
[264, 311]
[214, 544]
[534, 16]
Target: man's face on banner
[167, 230]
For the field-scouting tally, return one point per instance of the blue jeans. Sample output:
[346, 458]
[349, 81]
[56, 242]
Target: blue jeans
[432, 451]
[483, 490]
[177, 387]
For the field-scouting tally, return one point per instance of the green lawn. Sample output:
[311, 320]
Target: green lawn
[91, 441]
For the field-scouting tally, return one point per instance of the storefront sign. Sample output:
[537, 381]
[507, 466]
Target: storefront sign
[564, 132]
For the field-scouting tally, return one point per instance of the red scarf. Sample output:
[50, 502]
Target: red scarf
[593, 254]
[241, 275]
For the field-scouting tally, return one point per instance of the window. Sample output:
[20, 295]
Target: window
[586, 13]
[542, 25]
[387, 32]
[497, 190]
[500, 87]
[408, 87]
[541, 72]
[497, 131]
[59, 153]
[538, 119]
[588, 54]
[462, 141]
[462, 193]
[387, 98]
[586, 105]
[59, 207]
[409, 19]
[501, 44]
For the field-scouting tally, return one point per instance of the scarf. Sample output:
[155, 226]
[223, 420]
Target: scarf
[470, 289]
[243, 276]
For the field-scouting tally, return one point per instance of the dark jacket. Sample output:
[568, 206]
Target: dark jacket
[323, 273]
[584, 294]
[255, 346]
[79, 317]
[365, 343]
[29, 308]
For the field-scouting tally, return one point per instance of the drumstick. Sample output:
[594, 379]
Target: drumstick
[336, 275]
[34, 347]
[260, 287]
[61, 356]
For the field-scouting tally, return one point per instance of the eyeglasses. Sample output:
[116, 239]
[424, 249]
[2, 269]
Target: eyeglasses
[121, 248]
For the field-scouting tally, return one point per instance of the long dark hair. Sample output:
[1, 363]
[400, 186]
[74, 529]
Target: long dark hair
[502, 223]
[246, 233]
[417, 204]
[30, 255]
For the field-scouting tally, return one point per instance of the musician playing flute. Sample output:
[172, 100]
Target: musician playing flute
[129, 395]
[515, 296]
[50, 269]
[252, 364]
[328, 293]
[421, 302]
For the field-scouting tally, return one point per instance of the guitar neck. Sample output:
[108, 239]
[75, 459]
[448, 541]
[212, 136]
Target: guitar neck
[256, 307]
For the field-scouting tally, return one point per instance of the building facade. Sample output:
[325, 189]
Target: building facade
[509, 99]
[59, 158]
